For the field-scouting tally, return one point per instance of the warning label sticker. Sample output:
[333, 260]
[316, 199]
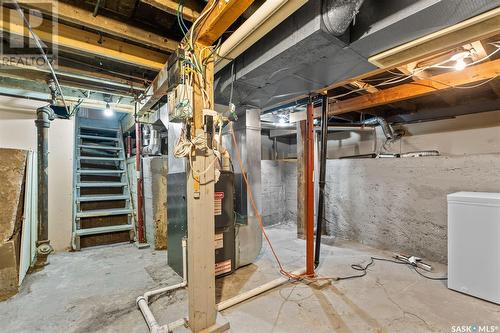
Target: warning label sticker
[218, 196]
[219, 241]
[223, 267]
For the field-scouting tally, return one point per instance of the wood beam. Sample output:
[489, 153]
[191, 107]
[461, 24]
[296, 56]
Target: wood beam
[71, 73]
[76, 15]
[220, 19]
[189, 12]
[365, 86]
[419, 88]
[85, 42]
[411, 68]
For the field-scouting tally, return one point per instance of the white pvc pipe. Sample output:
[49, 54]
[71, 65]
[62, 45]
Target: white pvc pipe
[254, 292]
[142, 301]
[266, 17]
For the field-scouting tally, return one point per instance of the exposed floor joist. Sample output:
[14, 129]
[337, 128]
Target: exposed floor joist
[85, 42]
[79, 75]
[189, 12]
[38, 90]
[77, 15]
[220, 19]
[419, 88]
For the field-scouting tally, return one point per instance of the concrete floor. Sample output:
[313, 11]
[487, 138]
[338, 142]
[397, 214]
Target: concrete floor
[95, 290]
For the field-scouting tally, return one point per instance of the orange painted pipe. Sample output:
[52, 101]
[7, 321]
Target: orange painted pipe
[309, 155]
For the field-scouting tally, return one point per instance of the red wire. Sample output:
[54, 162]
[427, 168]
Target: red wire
[257, 214]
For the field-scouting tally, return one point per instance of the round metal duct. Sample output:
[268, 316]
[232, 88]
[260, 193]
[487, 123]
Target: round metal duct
[338, 14]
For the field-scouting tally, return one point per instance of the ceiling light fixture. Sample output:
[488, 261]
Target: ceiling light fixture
[459, 60]
[108, 111]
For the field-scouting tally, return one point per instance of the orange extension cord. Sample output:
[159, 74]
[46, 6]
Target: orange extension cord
[257, 214]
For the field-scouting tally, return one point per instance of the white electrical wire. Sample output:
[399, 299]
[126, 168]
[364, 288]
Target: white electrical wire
[401, 78]
[39, 45]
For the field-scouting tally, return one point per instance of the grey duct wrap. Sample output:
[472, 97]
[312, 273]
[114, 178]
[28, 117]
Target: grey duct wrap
[386, 128]
[338, 14]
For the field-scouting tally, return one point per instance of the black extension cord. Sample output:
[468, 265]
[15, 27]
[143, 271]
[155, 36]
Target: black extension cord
[363, 269]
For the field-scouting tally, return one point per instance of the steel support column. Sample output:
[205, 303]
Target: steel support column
[42, 122]
[309, 154]
[138, 168]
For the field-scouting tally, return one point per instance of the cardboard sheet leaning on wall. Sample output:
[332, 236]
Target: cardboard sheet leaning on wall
[12, 177]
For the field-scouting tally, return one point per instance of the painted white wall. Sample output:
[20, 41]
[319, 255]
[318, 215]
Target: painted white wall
[17, 130]
[463, 135]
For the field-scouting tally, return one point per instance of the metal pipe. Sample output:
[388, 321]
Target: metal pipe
[309, 154]
[322, 174]
[43, 117]
[142, 301]
[138, 168]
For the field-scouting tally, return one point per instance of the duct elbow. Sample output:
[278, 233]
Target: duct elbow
[338, 14]
[386, 128]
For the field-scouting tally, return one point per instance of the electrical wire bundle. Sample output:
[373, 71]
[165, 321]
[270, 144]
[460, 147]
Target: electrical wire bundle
[398, 78]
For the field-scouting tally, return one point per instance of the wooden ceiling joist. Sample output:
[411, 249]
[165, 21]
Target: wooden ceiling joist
[189, 12]
[74, 14]
[85, 42]
[422, 87]
[220, 19]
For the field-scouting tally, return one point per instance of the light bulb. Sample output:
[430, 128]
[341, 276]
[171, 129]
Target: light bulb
[108, 111]
[460, 64]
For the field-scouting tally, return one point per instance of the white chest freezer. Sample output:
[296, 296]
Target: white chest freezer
[474, 244]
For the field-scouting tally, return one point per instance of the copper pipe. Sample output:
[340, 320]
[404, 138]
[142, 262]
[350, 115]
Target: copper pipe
[310, 190]
[138, 149]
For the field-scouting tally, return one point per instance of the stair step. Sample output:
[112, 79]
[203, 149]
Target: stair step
[99, 147]
[100, 158]
[107, 197]
[96, 137]
[104, 212]
[113, 129]
[98, 171]
[103, 230]
[101, 184]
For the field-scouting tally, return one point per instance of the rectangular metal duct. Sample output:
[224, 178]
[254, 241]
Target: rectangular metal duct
[300, 56]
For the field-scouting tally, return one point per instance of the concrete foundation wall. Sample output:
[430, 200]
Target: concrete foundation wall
[279, 191]
[17, 130]
[400, 204]
[396, 204]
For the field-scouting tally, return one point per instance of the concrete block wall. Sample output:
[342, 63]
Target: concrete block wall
[279, 191]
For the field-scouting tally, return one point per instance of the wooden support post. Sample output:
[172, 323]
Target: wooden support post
[301, 179]
[201, 221]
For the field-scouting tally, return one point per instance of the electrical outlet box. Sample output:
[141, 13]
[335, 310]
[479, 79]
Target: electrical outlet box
[180, 103]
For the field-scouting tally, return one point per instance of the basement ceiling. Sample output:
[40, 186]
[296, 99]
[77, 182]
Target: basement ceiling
[300, 56]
